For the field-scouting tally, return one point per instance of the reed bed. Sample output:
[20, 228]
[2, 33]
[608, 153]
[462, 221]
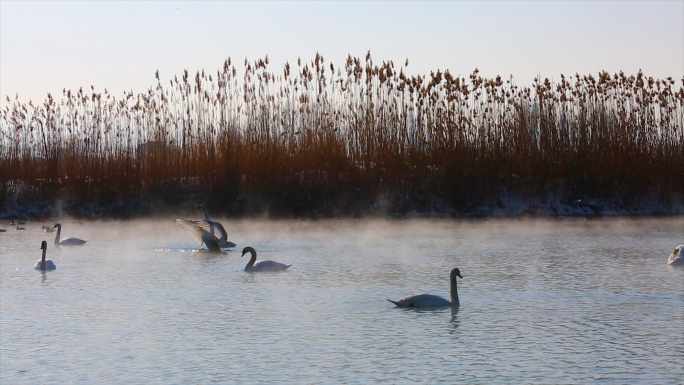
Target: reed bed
[317, 139]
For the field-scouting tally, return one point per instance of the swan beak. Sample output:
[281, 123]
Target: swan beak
[243, 254]
[459, 275]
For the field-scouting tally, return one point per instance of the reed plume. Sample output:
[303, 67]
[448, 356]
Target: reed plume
[321, 139]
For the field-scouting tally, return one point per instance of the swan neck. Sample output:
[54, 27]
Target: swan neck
[454, 290]
[42, 261]
[59, 230]
[252, 259]
[206, 216]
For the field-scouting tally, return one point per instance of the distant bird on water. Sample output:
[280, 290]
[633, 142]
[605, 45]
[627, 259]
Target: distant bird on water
[45, 264]
[676, 258]
[429, 300]
[67, 241]
[259, 266]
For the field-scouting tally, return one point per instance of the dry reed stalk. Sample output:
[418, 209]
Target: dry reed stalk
[334, 140]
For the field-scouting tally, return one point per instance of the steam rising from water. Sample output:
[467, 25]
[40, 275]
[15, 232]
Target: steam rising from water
[549, 299]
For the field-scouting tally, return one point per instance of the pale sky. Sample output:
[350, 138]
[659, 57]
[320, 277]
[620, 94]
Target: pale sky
[46, 46]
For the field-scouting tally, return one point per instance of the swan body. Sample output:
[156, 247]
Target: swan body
[430, 300]
[676, 258]
[200, 231]
[66, 241]
[254, 265]
[216, 226]
[422, 300]
[45, 264]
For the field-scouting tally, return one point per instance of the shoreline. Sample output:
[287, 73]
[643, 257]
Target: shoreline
[508, 207]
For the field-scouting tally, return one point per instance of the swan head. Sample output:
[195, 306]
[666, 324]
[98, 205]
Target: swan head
[455, 272]
[248, 249]
[43, 245]
[57, 225]
[199, 206]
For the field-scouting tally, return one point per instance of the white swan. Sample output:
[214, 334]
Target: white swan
[67, 241]
[45, 264]
[429, 300]
[200, 231]
[254, 265]
[676, 258]
[213, 225]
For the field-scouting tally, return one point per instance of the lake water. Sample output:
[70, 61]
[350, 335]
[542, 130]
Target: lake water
[549, 301]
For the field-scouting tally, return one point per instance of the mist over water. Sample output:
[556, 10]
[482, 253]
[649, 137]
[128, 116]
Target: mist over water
[548, 301]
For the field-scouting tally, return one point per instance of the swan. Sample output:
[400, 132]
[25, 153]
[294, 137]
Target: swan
[67, 241]
[200, 231]
[261, 265]
[429, 300]
[213, 225]
[224, 236]
[45, 264]
[676, 258]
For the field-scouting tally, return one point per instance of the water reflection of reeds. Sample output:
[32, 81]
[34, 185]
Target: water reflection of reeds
[327, 139]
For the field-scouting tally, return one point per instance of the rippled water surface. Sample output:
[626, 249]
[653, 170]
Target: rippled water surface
[551, 301]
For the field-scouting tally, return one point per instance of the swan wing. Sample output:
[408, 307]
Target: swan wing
[193, 228]
[208, 226]
[224, 234]
[211, 226]
[676, 257]
[269, 266]
[676, 261]
[422, 300]
[204, 225]
[72, 242]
